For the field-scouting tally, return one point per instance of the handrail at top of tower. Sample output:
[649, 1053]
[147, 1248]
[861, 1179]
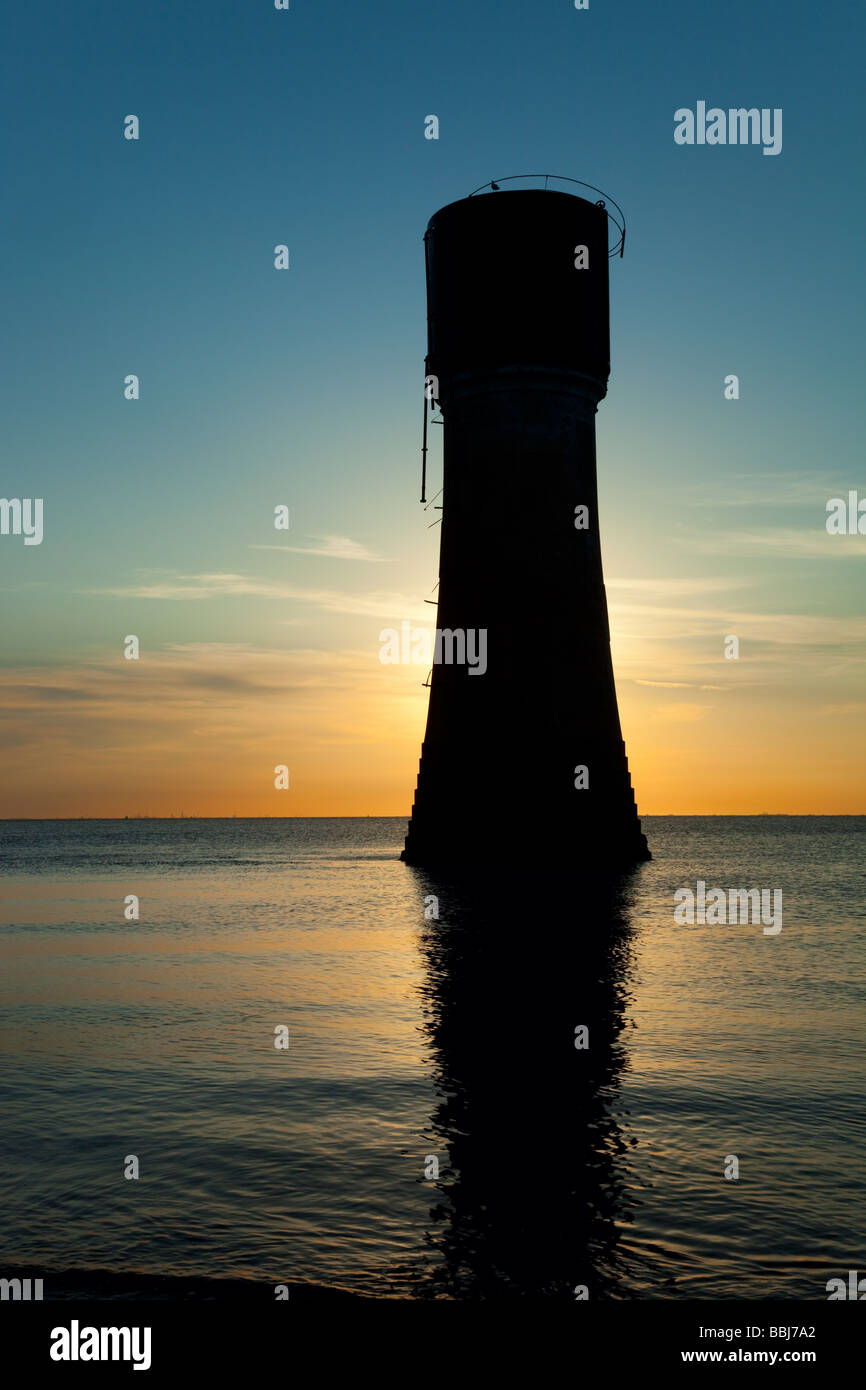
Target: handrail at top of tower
[619, 246]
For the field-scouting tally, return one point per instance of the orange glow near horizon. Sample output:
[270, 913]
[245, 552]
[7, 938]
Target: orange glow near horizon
[200, 730]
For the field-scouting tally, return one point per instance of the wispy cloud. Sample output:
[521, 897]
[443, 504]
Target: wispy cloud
[678, 685]
[679, 587]
[198, 586]
[179, 587]
[786, 543]
[332, 548]
[788, 489]
[373, 605]
[660, 648]
[790, 629]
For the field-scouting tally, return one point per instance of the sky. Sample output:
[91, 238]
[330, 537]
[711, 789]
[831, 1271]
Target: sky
[301, 388]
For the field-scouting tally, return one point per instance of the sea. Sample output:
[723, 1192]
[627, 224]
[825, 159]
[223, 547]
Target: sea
[246, 1055]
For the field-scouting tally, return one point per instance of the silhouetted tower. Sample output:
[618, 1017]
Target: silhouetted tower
[519, 347]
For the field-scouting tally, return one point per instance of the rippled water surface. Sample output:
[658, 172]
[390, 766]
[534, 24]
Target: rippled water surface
[418, 1041]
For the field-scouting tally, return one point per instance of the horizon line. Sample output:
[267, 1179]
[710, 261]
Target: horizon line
[370, 815]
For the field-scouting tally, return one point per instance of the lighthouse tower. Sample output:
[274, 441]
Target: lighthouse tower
[523, 755]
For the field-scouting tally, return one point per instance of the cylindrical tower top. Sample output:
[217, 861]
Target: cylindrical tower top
[518, 278]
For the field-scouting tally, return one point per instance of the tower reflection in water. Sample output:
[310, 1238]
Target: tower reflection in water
[533, 1186]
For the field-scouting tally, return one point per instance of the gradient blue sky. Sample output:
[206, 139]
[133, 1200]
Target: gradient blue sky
[307, 127]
